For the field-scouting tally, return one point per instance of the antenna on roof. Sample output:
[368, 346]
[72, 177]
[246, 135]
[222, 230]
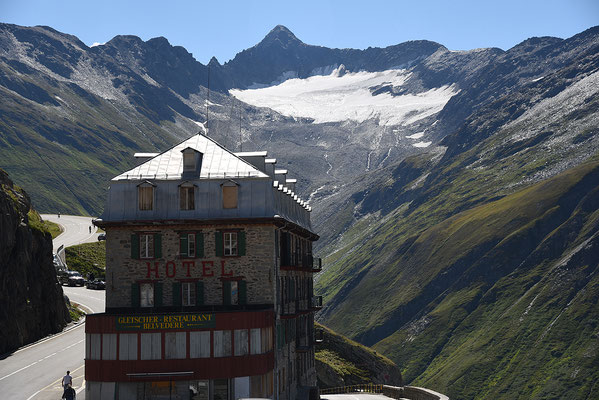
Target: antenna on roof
[240, 136]
[208, 101]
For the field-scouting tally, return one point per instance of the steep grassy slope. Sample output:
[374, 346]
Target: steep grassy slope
[343, 362]
[464, 305]
[520, 319]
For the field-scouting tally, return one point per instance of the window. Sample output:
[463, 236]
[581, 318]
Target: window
[230, 248]
[109, 346]
[188, 294]
[234, 292]
[146, 197]
[146, 245]
[128, 346]
[231, 243]
[230, 195]
[222, 343]
[187, 197]
[151, 346]
[189, 161]
[175, 346]
[146, 291]
[199, 344]
[255, 341]
[191, 244]
[241, 342]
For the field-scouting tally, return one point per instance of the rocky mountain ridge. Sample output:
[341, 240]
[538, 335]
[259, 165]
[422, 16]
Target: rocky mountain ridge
[32, 301]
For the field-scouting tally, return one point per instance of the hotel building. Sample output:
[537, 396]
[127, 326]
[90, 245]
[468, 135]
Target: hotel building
[209, 290]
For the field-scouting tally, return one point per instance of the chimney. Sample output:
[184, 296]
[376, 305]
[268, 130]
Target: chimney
[256, 158]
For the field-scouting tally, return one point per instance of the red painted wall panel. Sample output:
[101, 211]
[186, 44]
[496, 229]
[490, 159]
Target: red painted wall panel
[201, 368]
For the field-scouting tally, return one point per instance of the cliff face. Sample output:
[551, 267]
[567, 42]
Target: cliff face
[31, 300]
[343, 362]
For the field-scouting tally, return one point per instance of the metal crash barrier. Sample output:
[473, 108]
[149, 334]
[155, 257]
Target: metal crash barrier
[363, 388]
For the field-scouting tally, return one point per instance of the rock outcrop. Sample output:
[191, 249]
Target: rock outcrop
[31, 300]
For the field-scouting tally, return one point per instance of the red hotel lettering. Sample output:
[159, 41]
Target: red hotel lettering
[222, 269]
[189, 264]
[174, 271]
[206, 268]
[170, 269]
[150, 269]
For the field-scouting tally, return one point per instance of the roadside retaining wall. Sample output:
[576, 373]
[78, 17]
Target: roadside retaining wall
[412, 393]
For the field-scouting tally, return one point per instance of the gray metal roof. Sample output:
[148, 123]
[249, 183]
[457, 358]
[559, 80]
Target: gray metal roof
[217, 162]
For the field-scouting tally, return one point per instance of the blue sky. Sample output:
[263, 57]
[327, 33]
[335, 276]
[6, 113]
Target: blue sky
[223, 28]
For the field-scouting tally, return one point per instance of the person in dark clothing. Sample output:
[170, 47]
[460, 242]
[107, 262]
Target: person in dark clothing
[69, 393]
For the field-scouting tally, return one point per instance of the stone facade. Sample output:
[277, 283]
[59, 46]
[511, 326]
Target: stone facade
[256, 267]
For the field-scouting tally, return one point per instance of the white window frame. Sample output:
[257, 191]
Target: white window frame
[230, 243]
[146, 294]
[188, 294]
[146, 245]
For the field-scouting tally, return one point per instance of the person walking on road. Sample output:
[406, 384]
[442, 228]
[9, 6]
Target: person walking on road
[67, 381]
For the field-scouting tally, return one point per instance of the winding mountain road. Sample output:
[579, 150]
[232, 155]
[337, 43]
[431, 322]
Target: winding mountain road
[34, 372]
[76, 230]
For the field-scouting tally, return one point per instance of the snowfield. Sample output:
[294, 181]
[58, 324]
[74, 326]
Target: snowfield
[334, 98]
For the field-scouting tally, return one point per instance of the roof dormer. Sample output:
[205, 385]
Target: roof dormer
[192, 162]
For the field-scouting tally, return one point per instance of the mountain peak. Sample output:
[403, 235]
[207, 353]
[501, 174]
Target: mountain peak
[280, 35]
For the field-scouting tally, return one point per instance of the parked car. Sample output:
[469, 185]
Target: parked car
[102, 236]
[58, 263]
[98, 284]
[71, 278]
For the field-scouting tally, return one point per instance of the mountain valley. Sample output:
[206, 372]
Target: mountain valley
[455, 192]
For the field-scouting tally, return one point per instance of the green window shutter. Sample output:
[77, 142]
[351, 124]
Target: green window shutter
[183, 245]
[135, 295]
[292, 289]
[218, 240]
[177, 293]
[283, 333]
[278, 333]
[199, 245]
[226, 293]
[135, 246]
[158, 294]
[199, 293]
[157, 245]
[242, 292]
[241, 243]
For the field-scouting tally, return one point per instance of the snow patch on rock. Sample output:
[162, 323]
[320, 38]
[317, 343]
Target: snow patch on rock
[422, 144]
[340, 97]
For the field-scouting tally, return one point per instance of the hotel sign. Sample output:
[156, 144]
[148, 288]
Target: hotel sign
[172, 321]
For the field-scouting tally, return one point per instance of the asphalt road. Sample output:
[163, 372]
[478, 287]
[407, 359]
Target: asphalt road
[34, 372]
[75, 230]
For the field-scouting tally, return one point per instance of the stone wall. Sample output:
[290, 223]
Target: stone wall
[31, 300]
[255, 267]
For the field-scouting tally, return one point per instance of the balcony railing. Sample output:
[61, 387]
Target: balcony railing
[317, 265]
[316, 302]
[318, 335]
